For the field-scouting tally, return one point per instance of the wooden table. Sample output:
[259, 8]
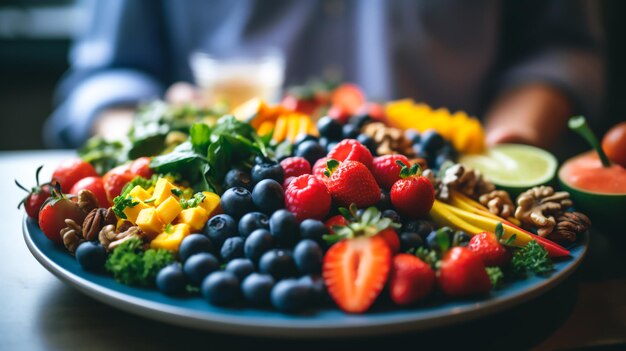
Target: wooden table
[37, 311]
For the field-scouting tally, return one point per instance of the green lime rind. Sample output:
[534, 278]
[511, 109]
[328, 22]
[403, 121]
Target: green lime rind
[514, 167]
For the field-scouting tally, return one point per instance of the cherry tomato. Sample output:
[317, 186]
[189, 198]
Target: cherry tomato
[71, 171]
[37, 195]
[293, 103]
[96, 186]
[53, 215]
[141, 167]
[115, 182]
[614, 144]
[348, 97]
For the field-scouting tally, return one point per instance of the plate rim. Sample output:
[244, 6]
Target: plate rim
[221, 322]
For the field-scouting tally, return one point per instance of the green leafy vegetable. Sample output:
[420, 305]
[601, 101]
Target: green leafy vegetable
[531, 258]
[429, 256]
[131, 265]
[103, 154]
[495, 275]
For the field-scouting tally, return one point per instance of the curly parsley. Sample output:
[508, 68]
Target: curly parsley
[131, 265]
[534, 258]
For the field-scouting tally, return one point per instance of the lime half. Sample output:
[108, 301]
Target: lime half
[514, 167]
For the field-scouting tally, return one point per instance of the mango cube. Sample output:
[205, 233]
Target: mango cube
[211, 203]
[132, 212]
[149, 222]
[139, 193]
[162, 191]
[195, 217]
[168, 210]
[171, 239]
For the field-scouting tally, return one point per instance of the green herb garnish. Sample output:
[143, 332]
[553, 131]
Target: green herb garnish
[495, 275]
[531, 258]
[194, 201]
[131, 265]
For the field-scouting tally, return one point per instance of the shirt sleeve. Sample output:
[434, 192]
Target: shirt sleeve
[558, 43]
[119, 60]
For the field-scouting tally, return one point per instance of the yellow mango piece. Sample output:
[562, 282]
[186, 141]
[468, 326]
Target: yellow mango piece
[162, 191]
[248, 109]
[132, 212]
[265, 128]
[149, 222]
[280, 130]
[139, 193]
[195, 217]
[171, 240]
[303, 126]
[293, 126]
[211, 203]
[168, 210]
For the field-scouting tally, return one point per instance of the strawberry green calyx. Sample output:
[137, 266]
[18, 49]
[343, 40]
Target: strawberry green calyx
[331, 166]
[369, 223]
[407, 172]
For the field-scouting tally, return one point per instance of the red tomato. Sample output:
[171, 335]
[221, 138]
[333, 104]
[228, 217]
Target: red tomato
[141, 167]
[293, 103]
[96, 186]
[115, 182]
[71, 171]
[614, 144]
[53, 215]
[348, 97]
[34, 200]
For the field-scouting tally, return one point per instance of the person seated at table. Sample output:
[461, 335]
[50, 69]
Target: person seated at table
[526, 66]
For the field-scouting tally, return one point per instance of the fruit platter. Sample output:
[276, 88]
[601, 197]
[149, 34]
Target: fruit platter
[323, 215]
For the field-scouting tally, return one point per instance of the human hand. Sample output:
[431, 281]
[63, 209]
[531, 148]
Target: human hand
[534, 114]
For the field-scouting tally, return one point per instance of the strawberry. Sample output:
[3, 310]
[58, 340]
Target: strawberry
[462, 273]
[352, 150]
[386, 170]
[489, 247]
[333, 221]
[351, 182]
[318, 169]
[392, 239]
[413, 195]
[410, 280]
[307, 197]
[295, 166]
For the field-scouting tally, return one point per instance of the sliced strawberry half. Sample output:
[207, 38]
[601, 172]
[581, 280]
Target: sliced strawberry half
[355, 272]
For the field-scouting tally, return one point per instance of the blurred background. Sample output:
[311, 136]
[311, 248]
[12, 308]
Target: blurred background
[35, 36]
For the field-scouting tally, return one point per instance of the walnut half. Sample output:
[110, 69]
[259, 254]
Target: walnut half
[540, 206]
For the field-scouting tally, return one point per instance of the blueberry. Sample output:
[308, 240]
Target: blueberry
[460, 238]
[420, 151]
[237, 178]
[268, 195]
[251, 222]
[290, 295]
[393, 215]
[91, 256]
[303, 138]
[257, 288]
[236, 202]
[314, 230]
[385, 201]
[368, 142]
[316, 286]
[409, 241]
[413, 136]
[308, 257]
[232, 248]
[198, 266]
[278, 263]
[440, 160]
[359, 120]
[329, 128]
[423, 228]
[284, 228]
[171, 279]
[220, 288]
[193, 244]
[431, 141]
[350, 131]
[310, 150]
[258, 243]
[219, 228]
[241, 267]
[267, 170]
[331, 145]
[431, 240]
[324, 142]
